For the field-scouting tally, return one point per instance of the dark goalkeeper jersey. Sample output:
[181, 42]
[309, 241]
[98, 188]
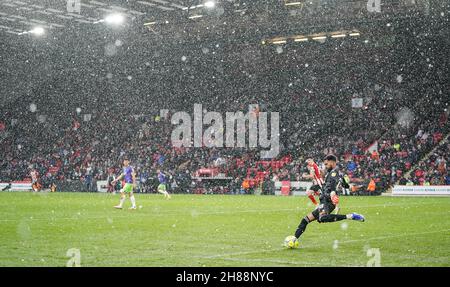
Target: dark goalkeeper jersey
[332, 179]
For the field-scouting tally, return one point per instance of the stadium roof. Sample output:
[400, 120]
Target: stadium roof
[75, 27]
[170, 16]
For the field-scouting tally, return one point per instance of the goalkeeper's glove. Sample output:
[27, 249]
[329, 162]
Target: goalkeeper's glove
[334, 198]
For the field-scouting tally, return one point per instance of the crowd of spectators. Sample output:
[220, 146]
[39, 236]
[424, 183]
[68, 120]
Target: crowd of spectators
[433, 170]
[84, 150]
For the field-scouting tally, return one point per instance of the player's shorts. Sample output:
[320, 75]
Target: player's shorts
[315, 188]
[323, 208]
[162, 187]
[128, 187]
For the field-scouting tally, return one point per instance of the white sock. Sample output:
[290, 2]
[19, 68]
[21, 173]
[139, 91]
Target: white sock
[133, 201]
[122, 199]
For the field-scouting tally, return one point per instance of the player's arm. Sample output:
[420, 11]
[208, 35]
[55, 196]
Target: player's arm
[334, 181]
[322, 172]
[331, 184]
[118, 178]
[308, 176]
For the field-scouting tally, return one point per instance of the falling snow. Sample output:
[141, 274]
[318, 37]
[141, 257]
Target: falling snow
[81, 96]
[336, 244]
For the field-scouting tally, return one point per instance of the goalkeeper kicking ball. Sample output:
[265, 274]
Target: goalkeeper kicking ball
[291, 242]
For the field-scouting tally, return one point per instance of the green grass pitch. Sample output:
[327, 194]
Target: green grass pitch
[218, 230]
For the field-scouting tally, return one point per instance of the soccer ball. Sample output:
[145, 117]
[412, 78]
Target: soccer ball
[291, 242]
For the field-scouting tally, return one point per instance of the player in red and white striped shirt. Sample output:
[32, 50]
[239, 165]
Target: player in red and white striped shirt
[316, 176]
[35, 184]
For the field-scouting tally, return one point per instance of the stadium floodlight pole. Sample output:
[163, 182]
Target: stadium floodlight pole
[36, 31]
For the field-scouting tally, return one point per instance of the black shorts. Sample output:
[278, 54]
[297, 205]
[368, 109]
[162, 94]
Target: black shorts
[324, 208]
[315, 188]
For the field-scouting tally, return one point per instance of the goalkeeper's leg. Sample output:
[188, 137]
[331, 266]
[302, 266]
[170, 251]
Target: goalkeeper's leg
[302, 226]
[305, 221]
[326, 216]
[339, 217]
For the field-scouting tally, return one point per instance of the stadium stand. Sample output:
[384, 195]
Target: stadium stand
[404, 114]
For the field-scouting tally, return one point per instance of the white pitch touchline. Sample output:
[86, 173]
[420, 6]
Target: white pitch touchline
[209, 213]
[319, 245]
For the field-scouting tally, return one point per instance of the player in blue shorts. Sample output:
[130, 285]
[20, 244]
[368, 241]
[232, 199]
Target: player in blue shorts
[129, 176]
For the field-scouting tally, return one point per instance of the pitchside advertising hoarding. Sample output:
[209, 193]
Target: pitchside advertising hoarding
[300, 187]
[102, 185]
[16, 185]
[421, 190]
[291, 187]
[281, 188]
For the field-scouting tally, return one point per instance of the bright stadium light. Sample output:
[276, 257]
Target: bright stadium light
[114, 19]
[195, 16]
[338, 36]
[38, 31]
[210, 4]
[293, 3]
